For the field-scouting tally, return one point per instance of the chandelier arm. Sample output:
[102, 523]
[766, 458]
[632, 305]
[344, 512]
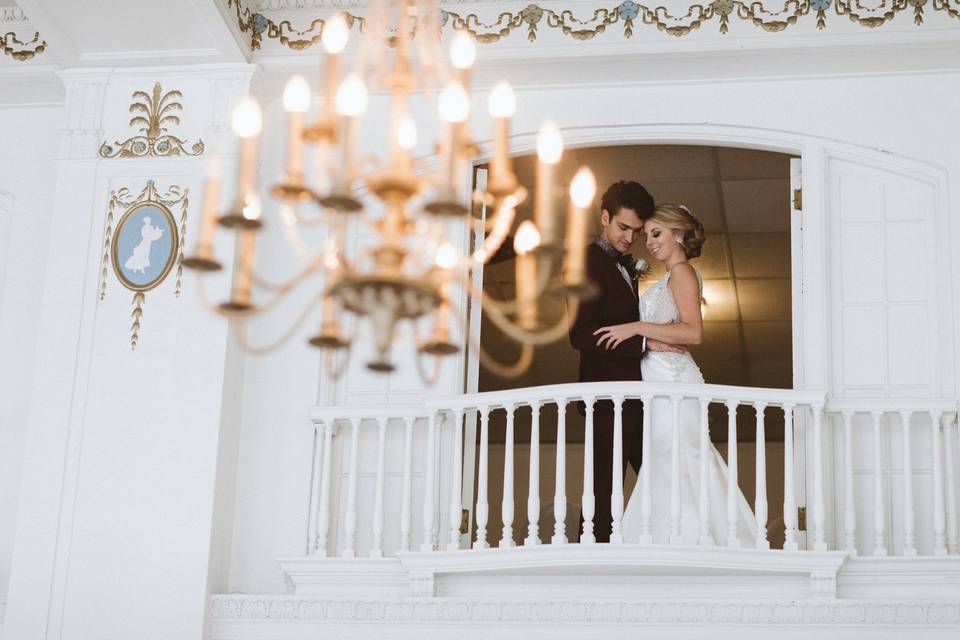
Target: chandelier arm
[502, 322]
[329, 358]
[499, 228]
[202, 295]
[515, 370]
[283, 288]
[506, 306]
[240, 332]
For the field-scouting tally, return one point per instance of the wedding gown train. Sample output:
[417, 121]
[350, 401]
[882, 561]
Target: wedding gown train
[657, 305]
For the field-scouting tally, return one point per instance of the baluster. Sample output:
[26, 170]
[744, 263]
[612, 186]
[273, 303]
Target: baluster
[587, 500]
[646, 495]
[953, 527]
[456, 486]
[533, 482]
[376, 548]
[760, 499]
[323, 511]
[405, 506]
[560, 481]
[819, 508]
[616, 502]
[676, 536]
[909, 537]
[431, 439]
[879, 508]
[704, 502]
[939, 517]
[789, 491]
[350, 527]
[506, 508]
[312, 517]
[849, 508]
[435, 528]
[483, 509]
[733, 487]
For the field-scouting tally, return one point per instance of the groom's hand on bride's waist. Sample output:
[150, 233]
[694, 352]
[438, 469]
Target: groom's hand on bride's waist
[656, 345]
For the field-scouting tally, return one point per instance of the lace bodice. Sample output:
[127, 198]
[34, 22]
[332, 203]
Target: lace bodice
[657, 304]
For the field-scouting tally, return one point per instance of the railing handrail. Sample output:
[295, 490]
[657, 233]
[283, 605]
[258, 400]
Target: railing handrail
[324, 413]
[891, 405]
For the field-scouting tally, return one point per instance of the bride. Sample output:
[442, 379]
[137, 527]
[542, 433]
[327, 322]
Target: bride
[670, 312]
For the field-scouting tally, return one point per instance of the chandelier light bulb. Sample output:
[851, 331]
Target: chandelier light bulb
[463, 50]
[251, 206]
[336, 32]
[454, 103]
[549, 143]
[446, 257]
[527, 238]
[583, 188]
[407, 133]
[503, 102]
[352, 96]
[247, 120]
[296, 95]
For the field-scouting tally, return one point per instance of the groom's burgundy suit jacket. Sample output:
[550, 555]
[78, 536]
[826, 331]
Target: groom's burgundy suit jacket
[616, 303]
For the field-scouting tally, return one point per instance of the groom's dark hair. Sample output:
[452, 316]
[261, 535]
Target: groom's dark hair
[631, 195]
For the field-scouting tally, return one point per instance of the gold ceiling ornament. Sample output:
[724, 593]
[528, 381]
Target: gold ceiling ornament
[768, 16]
[412, 271]
[22, 50]
[153, 112]
[144, 245]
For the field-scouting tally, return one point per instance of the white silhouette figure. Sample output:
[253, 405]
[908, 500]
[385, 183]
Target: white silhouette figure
[139, 260]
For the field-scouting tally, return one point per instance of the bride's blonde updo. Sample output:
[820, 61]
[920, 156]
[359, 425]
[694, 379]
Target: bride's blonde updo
[679, 219]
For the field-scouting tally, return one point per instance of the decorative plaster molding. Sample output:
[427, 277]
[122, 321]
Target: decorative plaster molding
[21, 50]
[153, 111]
[607, 612]
[12, 14]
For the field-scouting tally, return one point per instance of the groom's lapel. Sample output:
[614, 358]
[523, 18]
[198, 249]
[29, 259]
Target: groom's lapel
[631, 286]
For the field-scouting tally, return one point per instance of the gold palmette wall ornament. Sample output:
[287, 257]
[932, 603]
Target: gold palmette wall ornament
[144, 245]
[153, 112]
[19, 50]
[414, 271]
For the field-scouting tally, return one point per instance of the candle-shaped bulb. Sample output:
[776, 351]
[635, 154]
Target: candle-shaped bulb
[527, 238]
[352, 96]
[407, 133]
[583, 188]
[463, 50]
[454, 103]
[296, 95]
[502, 102]
[549, 143]
[446, 257]
[251, 206]
[336, 32]
[247, 121]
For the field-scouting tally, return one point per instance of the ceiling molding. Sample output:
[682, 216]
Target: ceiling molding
[12, 14]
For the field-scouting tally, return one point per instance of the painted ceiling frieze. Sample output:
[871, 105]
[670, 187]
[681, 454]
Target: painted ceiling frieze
[627, 15]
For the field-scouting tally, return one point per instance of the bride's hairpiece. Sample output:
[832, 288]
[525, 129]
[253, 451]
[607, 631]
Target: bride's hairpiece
[684, 208]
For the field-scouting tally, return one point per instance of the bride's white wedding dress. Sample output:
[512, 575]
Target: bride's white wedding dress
[658, 306]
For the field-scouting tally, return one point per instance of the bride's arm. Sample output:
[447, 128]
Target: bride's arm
[688, 331]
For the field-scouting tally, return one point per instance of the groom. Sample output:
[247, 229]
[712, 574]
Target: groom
[623, 208]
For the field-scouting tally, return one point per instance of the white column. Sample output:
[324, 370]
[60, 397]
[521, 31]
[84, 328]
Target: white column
[733, 487]
[376, 548]
[435, 528]
[849, 507]
[350, 526]
[646, 496]
[483, 508]
[406, 509]
[879, 508]
[533, 483]
[703, 506]
[507, 507]
[819, 506]
[456, 484]
[909, 537]
[587, 500]
[949, 452]
[676, 535]
[789, 490]
[760, 499]
[616, 502]
[428, 493]
[560, 481]
[312, 516]
[323, 510]
[939, 517]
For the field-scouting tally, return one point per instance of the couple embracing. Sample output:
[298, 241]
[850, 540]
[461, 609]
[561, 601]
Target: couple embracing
[622, 334]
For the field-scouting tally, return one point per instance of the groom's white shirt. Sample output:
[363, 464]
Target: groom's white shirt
[626, 276]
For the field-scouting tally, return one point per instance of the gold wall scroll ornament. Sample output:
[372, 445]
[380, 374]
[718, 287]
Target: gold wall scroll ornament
[145, 245]
[768, 15]
[153, 111]
[21, 50]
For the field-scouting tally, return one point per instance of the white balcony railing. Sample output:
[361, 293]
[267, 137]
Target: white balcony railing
[411, 462]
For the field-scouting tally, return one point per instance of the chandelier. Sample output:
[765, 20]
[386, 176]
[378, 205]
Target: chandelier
[412, 270]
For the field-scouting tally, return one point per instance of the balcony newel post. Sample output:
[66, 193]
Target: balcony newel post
[733, 488]
[849, 507]
[456, 486]
[506, 505]
[323, 510]
[760, 499]
[939, 517]
[407, 495]
[350, 526]
[879, 508]
[819, 506]
[951, 481]
[703, 506]
[789, 490]
[483, 508]
[376, 548]
[646, 495]
[587, 500]
[909, 517]
[533, 483]
[676, 535]
[616, 502]
[560, 483]
[428, 481]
